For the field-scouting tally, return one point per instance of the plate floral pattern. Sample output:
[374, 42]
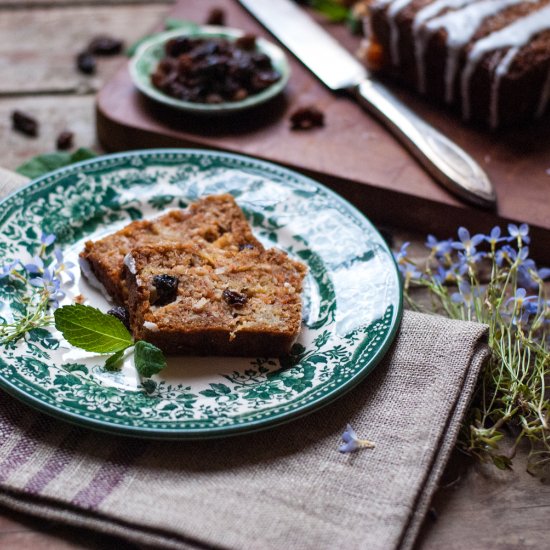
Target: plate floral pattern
[352, 299]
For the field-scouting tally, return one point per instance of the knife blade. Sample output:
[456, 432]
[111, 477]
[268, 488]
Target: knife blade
[340, 71]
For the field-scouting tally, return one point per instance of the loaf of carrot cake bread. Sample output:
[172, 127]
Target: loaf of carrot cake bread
[489, 59]
[211, 301]
[216, 220]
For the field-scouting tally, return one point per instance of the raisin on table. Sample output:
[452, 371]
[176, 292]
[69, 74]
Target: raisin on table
[24, 123]
[85, 63]
[306, 118]
[105, 45]
[64, 140]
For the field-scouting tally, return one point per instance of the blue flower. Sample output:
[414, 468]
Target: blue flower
[439, 248]
[443, 275]
[352, 442]
[518, 298]
[494, 237]
[406, 266]
[63, 267]
[526, 270]
[7, 269]
[509, 254]
[523, 306]
[533, 307]
[36, 265]
[401, 256]
[467, 243]
[520, 233]
[465, 294]
[51, 284]
[47, 239]
[410, 271]
[453, 274]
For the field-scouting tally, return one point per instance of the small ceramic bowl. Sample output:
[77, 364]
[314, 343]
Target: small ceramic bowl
[145, 61]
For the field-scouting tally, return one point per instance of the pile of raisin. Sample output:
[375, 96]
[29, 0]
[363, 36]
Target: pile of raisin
[213, 70]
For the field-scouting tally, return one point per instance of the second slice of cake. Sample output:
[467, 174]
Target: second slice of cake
[216, 219]
[211, 301]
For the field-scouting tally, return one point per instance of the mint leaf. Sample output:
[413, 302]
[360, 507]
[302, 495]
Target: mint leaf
[148, 359]
[42, 164]
[82, 154]
[88, 328]
[113, 362]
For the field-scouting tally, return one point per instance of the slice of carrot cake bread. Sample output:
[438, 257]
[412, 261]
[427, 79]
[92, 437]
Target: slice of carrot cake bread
[216, 219]
[211, 301]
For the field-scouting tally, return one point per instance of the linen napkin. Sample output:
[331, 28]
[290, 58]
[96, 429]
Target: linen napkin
[286, 487]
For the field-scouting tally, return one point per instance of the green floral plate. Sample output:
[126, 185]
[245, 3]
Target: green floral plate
[145, 61]
[352, 299]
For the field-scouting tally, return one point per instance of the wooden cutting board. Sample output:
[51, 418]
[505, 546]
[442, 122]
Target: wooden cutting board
[353, 153]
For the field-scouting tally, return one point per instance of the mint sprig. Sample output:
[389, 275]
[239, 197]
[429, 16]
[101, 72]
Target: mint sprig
[92, 330]
[42, 164]
[148, 358]
[113, 362]
[89, 329]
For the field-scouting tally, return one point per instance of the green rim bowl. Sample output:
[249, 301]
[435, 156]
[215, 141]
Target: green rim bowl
[144, 62]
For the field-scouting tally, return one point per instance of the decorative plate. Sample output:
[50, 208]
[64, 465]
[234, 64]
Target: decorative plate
[145, 61]
[352, 297]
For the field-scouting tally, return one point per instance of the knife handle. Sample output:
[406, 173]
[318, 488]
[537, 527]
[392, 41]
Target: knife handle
[444, 160]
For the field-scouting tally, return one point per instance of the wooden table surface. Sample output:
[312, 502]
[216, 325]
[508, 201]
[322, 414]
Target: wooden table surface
[477, 506]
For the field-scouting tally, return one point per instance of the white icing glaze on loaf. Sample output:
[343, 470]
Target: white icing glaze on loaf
[460, 26]
[421, 37]
[395, 7]
[515, 36]
[461, 19]
[500, 71]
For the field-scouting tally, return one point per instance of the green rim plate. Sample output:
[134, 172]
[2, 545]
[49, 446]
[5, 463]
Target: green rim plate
[151, 52]
[352, 299]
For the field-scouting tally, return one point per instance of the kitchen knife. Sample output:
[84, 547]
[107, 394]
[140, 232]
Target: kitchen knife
[450, 165]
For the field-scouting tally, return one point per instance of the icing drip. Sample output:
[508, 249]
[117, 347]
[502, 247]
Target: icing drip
[544, 97]
[460, 26]
[515, 36]
[421, 37]
[395, 7]
[500, 71]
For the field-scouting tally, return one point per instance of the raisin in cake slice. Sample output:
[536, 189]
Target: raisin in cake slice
[210, 301]
[216, 219]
